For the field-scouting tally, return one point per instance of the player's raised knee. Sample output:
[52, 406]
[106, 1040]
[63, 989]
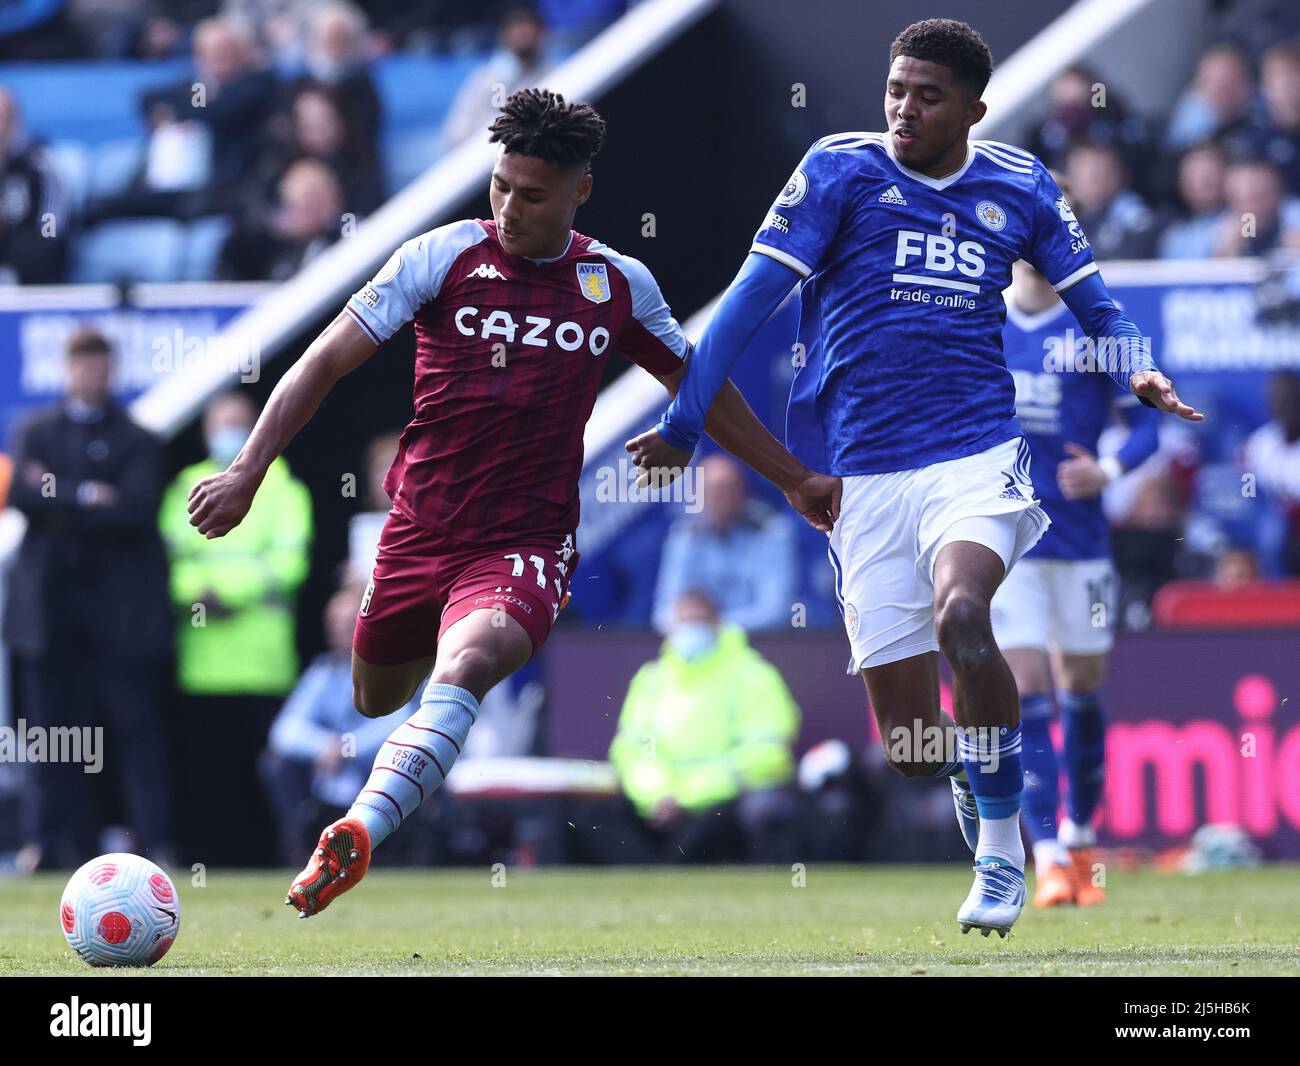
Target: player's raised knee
[470, 668]
[964, 630]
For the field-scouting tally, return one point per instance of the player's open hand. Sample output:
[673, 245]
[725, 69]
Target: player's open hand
[817, 498]
[658, 461]
[1080, 477]
[1154, 386]
[219, 503]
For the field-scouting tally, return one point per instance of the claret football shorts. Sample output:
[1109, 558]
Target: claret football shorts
[422, 584]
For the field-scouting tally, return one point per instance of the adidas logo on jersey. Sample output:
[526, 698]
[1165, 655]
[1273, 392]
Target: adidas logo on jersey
[893, 196]
[487, 270]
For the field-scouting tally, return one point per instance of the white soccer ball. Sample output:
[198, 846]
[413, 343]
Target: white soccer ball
[120, 910]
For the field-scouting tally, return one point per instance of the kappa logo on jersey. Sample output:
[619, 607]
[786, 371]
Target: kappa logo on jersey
[893, 196]
[487, 270]
[365, 600]
[593, 282]
[991, 215]
[795, 190]
[568, 335]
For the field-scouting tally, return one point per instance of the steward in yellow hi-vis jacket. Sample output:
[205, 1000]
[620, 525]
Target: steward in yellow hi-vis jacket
[246, 583]
[703, 724]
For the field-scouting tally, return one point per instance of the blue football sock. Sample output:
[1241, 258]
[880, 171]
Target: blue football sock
[996, 776]
[1042, 796]
[1084, 728]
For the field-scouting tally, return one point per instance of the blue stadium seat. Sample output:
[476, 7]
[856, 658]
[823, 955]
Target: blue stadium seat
[71, 163]
[113, 164]
[416, 91]
[147, 249]
[203, 240]
[90, 102]
[407, 154]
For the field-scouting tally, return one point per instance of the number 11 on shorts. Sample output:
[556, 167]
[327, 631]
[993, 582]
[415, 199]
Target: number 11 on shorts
[538, 563]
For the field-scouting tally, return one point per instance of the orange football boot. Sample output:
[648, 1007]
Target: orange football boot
[1082, 861]
[1053, 886]
[341, 859]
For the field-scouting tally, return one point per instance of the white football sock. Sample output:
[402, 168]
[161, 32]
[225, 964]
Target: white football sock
[1048, 853]
[1000, 839]
[1073, 835]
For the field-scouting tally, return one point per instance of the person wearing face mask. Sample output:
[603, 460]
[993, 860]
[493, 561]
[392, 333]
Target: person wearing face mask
[702, 751]
[86, 616]
[234, 605]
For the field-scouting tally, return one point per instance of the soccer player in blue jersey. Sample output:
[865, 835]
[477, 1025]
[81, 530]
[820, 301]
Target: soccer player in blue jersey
[1059, 597]
[901, 243]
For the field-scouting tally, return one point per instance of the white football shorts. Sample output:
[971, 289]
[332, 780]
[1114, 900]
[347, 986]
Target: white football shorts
[1060, 604]
[892, 526]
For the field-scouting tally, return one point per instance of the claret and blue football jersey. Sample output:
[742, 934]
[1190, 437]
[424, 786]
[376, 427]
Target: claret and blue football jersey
[901, 306]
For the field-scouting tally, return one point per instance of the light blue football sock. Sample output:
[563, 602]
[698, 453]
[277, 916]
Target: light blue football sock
[415, 759]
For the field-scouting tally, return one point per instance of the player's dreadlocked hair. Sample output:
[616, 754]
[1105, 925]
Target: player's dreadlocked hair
[951, 44]
[538, 122]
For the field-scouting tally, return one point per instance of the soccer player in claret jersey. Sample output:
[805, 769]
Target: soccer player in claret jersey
[902, 243]
[514, 320]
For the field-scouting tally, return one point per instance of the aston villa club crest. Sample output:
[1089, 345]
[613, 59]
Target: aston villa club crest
[593, 281]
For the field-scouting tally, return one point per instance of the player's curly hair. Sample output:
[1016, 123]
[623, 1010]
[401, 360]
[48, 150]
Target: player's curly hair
[538, 122]
[951, 44]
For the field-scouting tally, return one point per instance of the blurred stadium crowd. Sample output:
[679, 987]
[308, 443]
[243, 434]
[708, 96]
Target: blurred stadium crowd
[236, 139]
[253, 132]
[245, 134]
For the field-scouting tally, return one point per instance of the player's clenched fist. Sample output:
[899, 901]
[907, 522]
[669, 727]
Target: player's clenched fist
[817, 499]
[659, 462]
[1154, 386]
[220, 502]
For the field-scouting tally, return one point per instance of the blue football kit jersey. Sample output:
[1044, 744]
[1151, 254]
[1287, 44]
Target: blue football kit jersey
[1054, 407]
[899, 358]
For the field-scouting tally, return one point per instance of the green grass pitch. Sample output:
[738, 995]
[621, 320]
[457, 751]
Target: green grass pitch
[885, 920]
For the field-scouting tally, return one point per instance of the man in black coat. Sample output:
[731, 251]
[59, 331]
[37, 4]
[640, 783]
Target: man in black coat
[32, 251]
[87, 617]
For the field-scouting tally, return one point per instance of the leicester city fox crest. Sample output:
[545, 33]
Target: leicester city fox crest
[593, 281]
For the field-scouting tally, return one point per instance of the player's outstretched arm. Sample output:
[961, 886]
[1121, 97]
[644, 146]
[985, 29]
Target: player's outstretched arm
[1114, 334]
[219, 503]
[749, 301]
[733, 424]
